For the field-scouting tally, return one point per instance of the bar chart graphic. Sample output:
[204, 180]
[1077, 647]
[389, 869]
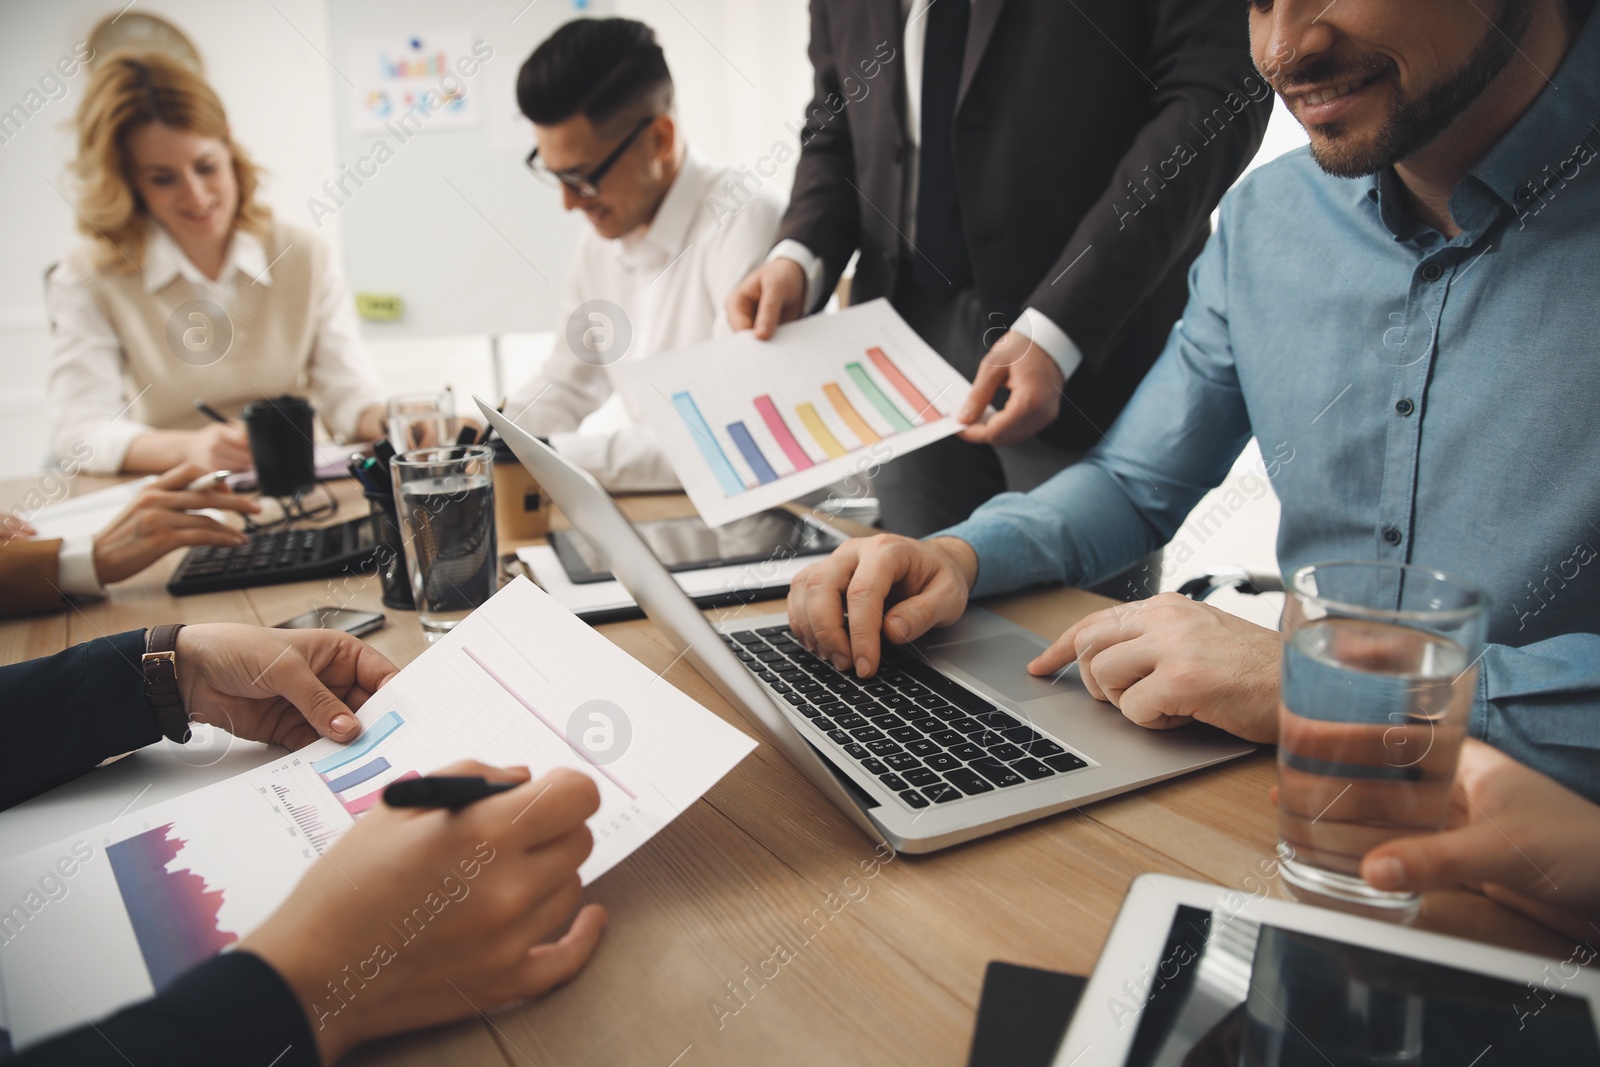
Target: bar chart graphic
[359, 781]
[748, 425]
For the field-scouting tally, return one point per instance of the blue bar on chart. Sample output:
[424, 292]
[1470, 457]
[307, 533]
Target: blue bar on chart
[752, 453]
[359, 775]
[700, 430]
[369, 740]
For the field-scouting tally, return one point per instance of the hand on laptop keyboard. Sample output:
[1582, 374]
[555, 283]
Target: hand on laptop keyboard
[922, 584]
[926, 738]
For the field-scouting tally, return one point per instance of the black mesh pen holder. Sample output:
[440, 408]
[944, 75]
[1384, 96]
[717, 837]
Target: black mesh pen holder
[389, 553]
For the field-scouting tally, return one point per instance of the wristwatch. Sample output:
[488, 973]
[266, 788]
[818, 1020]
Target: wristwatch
[160, 665]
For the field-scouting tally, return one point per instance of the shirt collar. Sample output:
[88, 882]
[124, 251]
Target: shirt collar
[1548, 134]
[164, 260]
[668, 232]
[1563, 117]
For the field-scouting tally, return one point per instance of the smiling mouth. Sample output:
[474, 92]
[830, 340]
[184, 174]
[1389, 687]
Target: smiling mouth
[1323, 96]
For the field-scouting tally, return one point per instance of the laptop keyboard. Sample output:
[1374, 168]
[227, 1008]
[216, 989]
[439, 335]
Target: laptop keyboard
[928, 739]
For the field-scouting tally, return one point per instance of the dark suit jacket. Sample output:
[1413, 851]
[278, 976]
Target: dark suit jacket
[233, 1009]
[1093, 138]
[63, 715]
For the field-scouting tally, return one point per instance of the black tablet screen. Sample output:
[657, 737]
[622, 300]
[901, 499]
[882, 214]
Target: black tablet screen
[1228, 990]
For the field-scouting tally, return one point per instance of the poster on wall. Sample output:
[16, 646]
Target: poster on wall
[417, 81]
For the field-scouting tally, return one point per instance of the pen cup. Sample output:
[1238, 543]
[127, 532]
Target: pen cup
[390, 553]
[521, 509]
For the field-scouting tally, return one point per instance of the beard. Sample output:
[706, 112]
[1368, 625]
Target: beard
[1413, 122]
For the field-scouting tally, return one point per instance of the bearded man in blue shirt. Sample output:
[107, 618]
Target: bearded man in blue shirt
[1404, 314]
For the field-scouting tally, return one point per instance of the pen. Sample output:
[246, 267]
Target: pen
[211, 413]
[442, 792]
[207, 482]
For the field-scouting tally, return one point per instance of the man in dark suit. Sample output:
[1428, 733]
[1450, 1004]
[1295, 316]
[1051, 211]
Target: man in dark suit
[268, 1000]
[1028, 182]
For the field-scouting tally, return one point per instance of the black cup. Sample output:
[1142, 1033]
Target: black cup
[280, 445]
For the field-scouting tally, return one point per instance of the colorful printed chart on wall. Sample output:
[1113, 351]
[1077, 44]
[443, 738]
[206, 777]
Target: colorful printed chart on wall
[406, 83]
[748, 425]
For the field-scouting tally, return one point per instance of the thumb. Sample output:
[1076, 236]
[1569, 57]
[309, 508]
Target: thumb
[1471, 854]
[741, 304]
[294, 680]
[989, 378]
[769, 311]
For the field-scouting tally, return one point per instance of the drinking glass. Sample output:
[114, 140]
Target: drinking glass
[445, 500]
[1379, 664]
[422, 420]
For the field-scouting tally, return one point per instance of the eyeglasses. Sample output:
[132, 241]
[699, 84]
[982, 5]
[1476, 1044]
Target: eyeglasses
[586, 186]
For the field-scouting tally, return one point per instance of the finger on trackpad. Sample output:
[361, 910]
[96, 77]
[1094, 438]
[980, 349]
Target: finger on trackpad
[1001, 661]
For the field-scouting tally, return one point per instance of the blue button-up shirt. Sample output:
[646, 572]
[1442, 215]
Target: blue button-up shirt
[1416, 399]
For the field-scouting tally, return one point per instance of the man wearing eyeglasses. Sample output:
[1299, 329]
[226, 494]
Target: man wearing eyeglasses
[663, 247]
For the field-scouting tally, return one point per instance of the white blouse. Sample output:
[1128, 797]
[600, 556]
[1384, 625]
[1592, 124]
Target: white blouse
[87, 391]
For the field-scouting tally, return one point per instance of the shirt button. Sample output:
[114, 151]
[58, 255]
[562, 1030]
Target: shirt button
[1391, 535]
[1404, 407]
[1432, 272]
[1524, 192]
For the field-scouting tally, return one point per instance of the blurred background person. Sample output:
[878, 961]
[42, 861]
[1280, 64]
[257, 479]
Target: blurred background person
[662, 250]
[37, 574]
[186, 288]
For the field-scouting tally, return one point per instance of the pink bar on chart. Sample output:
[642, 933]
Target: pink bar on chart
[365, 801]
[920, 404]
[780, 430]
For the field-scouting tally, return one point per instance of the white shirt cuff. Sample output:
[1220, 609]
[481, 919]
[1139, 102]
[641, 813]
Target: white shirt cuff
[810, 264]
[108, 445]
[76, 573]
[1037, 327]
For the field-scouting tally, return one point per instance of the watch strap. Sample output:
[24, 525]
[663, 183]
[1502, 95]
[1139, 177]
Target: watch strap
[160, 666]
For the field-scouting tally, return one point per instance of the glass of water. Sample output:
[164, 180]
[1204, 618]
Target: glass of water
[421, 420]
[1379, 665]
[445, 500]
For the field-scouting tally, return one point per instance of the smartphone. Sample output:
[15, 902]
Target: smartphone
[328, 618]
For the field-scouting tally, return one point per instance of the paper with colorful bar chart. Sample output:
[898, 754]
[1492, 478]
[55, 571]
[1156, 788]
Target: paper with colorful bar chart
[127, 906]
[748, 425]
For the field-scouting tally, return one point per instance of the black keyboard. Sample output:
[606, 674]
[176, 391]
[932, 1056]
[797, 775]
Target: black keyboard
[275, 556]
[927, 738]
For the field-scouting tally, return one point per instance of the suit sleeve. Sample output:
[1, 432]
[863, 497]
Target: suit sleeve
[823, 212]
[67, 712]
[233, 1009]
[1210, 115]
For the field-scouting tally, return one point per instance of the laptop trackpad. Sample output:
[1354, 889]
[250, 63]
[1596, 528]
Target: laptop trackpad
[1001, 662]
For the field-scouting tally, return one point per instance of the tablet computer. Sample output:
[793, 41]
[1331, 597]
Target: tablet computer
[688, 544]
[1196, 975]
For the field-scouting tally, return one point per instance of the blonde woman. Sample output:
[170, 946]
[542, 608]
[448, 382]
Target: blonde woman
[185, 288]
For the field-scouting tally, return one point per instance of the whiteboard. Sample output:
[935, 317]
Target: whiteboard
[448, 218]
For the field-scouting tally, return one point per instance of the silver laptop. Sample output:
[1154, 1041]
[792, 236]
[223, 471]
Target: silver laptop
[951, 740]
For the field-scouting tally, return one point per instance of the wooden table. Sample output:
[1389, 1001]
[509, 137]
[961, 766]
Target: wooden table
[761, 926]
